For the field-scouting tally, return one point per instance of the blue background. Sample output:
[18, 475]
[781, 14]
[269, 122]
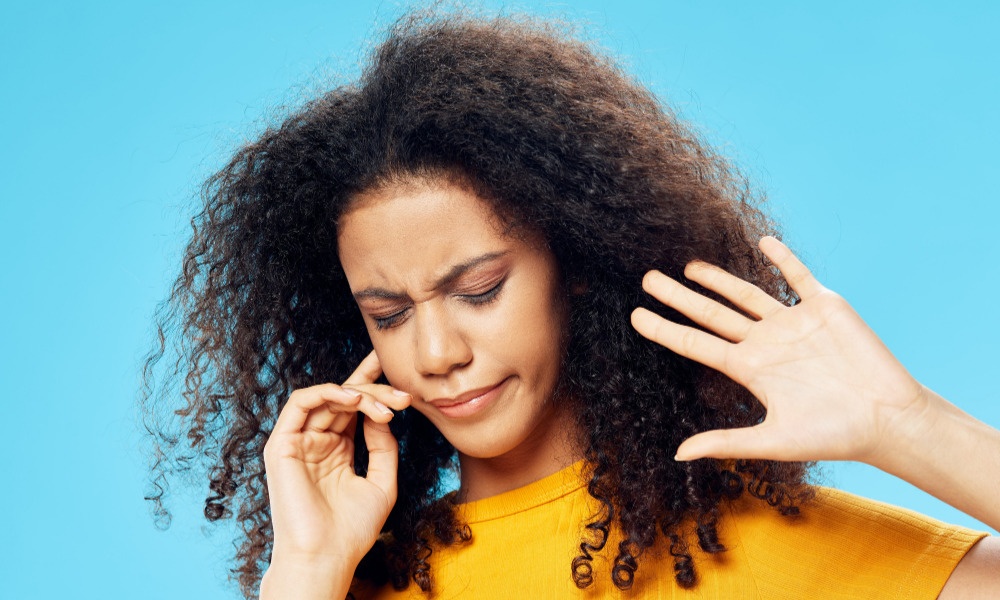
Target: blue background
[872, 126]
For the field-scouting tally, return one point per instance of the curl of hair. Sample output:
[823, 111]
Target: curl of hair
[555, 138]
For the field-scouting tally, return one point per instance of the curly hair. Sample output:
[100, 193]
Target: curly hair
[555, 137]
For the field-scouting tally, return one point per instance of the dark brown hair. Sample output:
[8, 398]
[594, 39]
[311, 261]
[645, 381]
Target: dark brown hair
[554, 136]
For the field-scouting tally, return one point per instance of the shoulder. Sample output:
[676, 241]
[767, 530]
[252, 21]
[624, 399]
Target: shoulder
[844, 542]
[978, 574]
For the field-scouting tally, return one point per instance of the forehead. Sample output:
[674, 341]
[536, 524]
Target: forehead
[410, 235]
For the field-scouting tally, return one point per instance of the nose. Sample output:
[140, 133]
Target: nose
[440, 345]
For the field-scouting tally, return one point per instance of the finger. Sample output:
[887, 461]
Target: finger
[301, 403]
[383, 394]
[795, 273]
[686, 341]
[745, 296]
[340, 417]
[383, 457]
[377, 397]
[330, 418]
[333, 416]
[367, 372]
[704, 311]
[341, 422]
[746, 442]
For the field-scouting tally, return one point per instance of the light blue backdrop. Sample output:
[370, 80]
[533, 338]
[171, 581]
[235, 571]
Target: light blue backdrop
[872, 126]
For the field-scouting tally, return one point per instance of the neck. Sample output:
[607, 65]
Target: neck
[547, 450]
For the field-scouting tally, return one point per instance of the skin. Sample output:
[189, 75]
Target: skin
[832, 389]
[454, 305]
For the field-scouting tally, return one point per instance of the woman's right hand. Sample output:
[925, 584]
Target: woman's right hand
[322, 512]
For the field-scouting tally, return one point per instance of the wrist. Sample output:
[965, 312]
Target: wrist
[302, 577]
[907, 436]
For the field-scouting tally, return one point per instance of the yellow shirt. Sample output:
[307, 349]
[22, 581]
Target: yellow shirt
[842, 546]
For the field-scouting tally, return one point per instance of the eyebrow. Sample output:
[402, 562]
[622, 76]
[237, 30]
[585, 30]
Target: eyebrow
[448, 278]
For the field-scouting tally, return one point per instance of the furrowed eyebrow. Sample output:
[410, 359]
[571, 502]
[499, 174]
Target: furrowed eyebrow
[449, 277]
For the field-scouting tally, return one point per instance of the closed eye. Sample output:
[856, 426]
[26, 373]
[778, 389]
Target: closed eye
[390, 320]
[485, 297]
[480, 299]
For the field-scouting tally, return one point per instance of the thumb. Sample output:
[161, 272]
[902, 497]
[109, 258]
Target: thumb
[746, 442]
[383, 457]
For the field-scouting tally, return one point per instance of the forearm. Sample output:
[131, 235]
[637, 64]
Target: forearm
[948, 454]
[306, 580]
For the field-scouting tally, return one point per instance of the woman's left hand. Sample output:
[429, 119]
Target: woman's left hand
[830, 386]
[832, 391]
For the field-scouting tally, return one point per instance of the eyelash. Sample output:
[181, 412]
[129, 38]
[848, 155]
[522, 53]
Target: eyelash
[474, 299]
[486, 297]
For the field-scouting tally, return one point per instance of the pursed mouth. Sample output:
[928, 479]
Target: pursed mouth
[464, 397]
[468, 403]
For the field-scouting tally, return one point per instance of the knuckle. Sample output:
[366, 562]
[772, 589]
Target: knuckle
[688, 340]
[711, 312]
[661, 331]
[799, 274]
[745, 295]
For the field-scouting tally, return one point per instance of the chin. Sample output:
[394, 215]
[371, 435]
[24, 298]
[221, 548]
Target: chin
[483, 446]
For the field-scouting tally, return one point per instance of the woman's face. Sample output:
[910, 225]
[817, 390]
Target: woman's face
[466, 319]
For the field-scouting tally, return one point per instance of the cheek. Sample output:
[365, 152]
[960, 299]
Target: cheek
[394, 361]
[536, 340]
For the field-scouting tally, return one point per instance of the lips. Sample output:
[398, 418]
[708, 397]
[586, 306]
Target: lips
[469, 403]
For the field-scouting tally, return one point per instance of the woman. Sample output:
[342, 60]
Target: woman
[460, 239]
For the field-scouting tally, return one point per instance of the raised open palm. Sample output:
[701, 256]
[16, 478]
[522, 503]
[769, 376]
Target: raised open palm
[829, 384]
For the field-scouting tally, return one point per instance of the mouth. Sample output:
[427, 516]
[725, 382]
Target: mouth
[468, 403]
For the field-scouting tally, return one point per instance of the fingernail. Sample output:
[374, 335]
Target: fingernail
[400, 393]
[382, 408]
[348, 394]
